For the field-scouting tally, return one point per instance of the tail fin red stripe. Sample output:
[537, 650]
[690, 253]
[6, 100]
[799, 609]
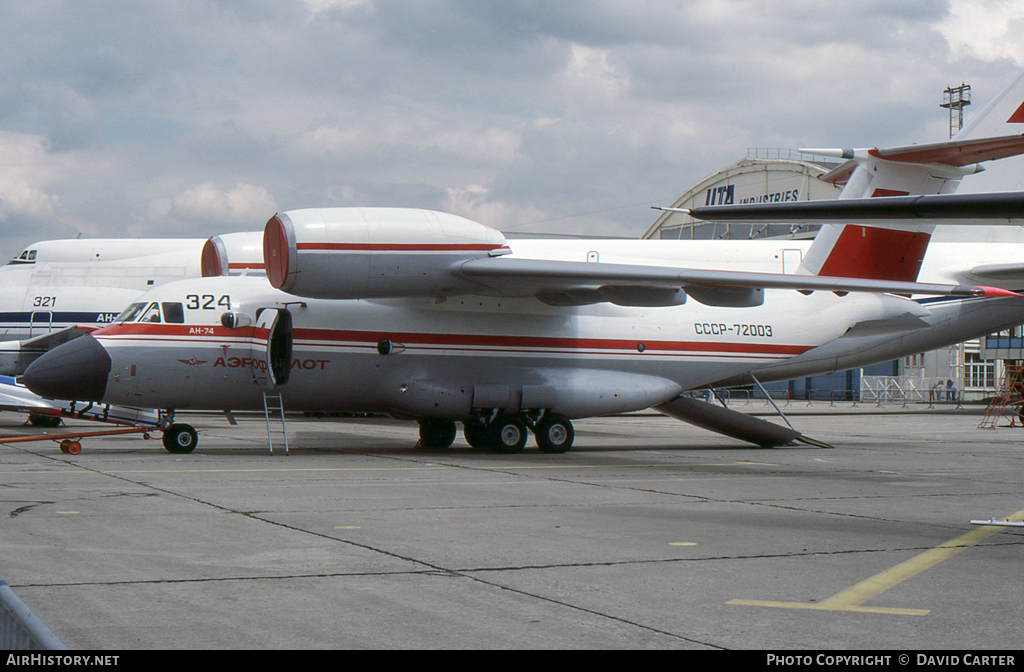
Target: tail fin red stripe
[876, 254]
[1018, 116]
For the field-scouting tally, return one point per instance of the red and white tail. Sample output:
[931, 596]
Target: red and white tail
[896, 252]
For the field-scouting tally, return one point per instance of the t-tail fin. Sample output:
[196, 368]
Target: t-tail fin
[896, 252]
[996, 132]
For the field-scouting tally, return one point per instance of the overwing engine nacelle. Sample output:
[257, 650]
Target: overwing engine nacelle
[362, 253]
[233, 254]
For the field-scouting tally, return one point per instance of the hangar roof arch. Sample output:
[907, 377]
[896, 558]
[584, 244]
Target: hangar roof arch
[765, 176]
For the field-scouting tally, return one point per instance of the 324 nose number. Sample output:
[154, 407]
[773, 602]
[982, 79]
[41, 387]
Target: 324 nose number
[207, 302]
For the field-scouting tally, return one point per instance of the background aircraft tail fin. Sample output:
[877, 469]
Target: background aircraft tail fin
[1002, 116]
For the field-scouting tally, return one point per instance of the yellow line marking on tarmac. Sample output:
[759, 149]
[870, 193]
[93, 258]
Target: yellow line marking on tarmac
[682, 543]
[853, 597]
[347, 527]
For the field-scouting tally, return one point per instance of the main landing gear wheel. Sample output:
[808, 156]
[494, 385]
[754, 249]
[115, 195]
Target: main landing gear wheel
[180, 438]
[44, 420]
[507, 435]
[554, 433]
[437, 434]
[475, 433]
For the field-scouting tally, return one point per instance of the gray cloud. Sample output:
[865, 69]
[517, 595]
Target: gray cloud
[187, 118]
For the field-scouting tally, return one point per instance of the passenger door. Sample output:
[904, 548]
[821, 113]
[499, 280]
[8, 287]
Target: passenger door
[271, 350]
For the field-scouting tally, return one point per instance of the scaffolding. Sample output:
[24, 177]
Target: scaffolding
[1009, 399]
[955, 99]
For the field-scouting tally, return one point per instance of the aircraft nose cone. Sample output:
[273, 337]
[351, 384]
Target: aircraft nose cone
[76, 370]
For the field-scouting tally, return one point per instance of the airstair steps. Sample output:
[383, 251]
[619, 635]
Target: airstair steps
[273, 408]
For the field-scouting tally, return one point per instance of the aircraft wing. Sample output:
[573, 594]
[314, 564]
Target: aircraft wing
[15, 397]
[52, 339]
[981, 209]
[580, 283]
[16, 355]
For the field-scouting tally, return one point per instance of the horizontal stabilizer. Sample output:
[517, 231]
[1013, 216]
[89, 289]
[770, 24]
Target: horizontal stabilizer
[731, 423]
[955, 152]
[987, 209]
[1002, 273]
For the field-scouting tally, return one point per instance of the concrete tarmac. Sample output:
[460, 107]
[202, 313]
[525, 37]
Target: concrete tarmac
[649, 534]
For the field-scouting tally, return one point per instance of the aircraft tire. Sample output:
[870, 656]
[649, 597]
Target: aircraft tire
[476, 435]
[554, 434]
[44, 420]
[507, 435]
[180, 438]
[437, 434]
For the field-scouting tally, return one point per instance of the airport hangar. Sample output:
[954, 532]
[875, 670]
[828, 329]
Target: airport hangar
[977, 367]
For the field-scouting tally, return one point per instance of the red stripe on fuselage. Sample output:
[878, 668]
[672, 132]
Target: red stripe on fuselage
[551, 342]
[335, 337]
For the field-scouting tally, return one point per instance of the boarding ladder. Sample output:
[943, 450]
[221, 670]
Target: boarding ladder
[1008, 400]
[273, 409]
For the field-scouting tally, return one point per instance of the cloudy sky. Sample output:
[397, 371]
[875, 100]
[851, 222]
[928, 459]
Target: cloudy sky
[196, 117]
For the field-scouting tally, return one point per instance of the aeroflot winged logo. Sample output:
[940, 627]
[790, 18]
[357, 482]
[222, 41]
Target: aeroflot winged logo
[193, 361]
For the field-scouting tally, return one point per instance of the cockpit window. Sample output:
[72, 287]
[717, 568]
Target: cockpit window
[26, 257]
[152, 313]
[174, 313]
[130, 313]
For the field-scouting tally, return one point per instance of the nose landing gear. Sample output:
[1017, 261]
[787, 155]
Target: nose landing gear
[180, 438]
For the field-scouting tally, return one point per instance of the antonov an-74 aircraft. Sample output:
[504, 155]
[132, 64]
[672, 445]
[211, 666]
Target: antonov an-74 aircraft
[434, 317]
[57, 290]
